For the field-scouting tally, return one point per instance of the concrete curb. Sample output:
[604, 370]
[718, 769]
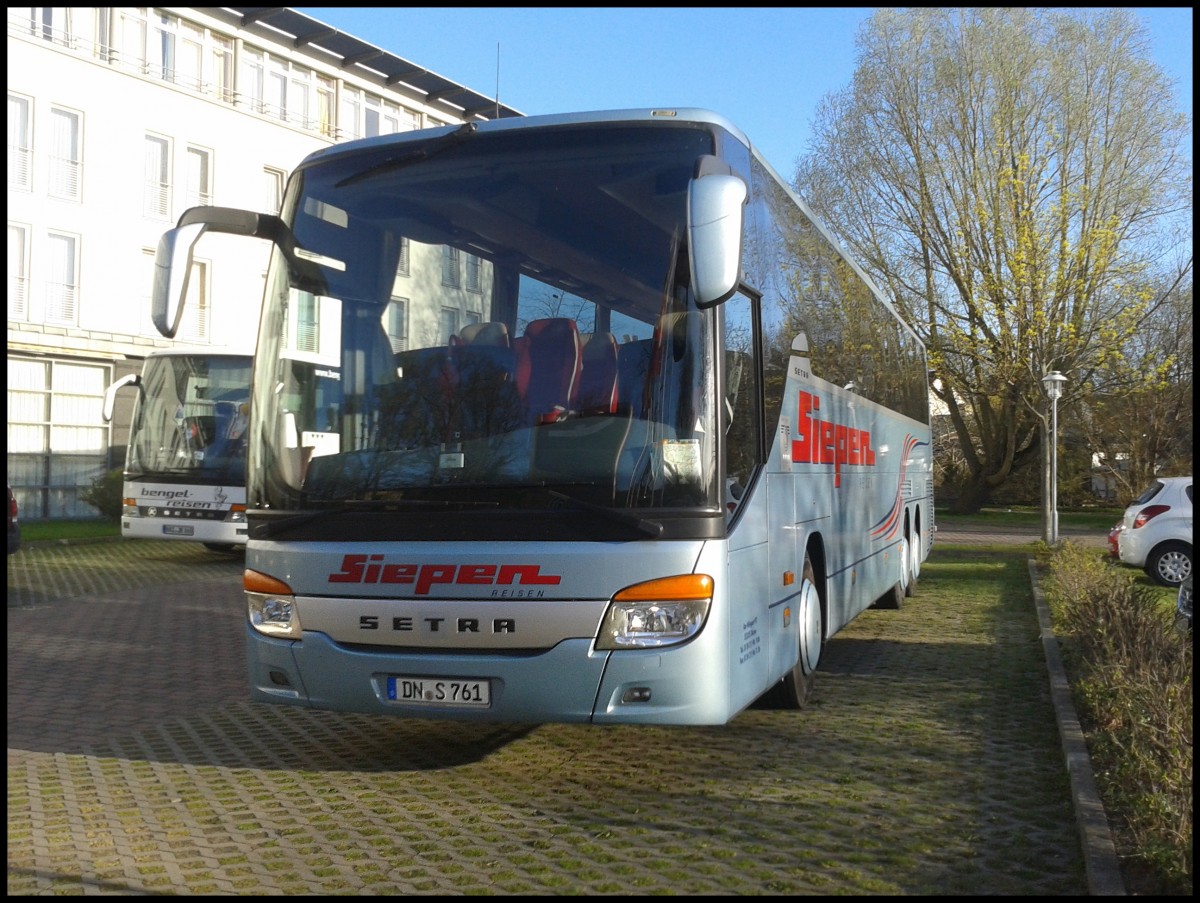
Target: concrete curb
[1099, 851]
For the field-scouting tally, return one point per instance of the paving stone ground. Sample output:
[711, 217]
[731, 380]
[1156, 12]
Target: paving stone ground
[929, 762]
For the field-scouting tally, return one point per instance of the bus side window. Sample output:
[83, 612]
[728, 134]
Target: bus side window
[743, 452]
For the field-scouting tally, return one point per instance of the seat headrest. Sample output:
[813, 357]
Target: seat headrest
[598, 345]
[489, 333]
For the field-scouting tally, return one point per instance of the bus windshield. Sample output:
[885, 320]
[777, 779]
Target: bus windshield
[489, 320]
[191, 419]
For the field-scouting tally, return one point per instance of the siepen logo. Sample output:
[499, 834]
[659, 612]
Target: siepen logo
[825, 442]
[371, 569]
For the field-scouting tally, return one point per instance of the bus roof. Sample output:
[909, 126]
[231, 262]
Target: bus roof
[648, 114]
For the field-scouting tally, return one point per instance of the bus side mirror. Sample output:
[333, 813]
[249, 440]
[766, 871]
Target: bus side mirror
[172, 267]
[110, 394]
[714, 236]
[173, 259]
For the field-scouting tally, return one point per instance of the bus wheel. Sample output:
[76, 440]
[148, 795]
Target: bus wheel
[894, 597]
[797, 684]
[914, 566]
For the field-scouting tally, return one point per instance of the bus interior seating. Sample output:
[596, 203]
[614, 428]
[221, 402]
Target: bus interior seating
[549, 362]
[588, 447]
[488, 333]
[598, 379]
[485, 367]
[482, 352]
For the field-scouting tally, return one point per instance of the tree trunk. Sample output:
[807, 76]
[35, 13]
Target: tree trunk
[971, 498]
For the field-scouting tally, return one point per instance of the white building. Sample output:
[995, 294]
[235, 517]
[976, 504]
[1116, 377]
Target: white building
[121, 118]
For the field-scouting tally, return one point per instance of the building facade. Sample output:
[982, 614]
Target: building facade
[121, 118]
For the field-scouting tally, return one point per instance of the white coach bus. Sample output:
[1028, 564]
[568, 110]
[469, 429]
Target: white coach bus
[575, 418]
[185, 466]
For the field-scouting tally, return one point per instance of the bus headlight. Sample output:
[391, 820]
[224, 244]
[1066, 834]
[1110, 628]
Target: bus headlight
[271, 606]
[656, 613]
[237, 514]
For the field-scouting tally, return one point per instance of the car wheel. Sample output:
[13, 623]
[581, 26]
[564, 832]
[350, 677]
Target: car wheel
[1169, 563]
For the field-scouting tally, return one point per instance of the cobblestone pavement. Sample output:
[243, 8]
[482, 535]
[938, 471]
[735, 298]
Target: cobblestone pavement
[929, 762]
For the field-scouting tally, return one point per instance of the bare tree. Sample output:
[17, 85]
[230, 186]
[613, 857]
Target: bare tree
[1012, 176]
[1142, 428]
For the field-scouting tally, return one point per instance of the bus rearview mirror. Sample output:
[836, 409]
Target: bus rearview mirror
[714, 232]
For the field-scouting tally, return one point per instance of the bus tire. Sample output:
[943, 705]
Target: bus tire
[893, 599]
[914, 566]
[796, 685]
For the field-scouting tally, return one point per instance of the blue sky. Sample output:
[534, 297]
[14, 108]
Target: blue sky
[764, 69]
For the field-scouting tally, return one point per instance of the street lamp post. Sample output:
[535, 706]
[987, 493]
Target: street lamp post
[1054, 388]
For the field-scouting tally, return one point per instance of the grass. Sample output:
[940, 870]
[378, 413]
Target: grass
[54, 530]
[1100, 519]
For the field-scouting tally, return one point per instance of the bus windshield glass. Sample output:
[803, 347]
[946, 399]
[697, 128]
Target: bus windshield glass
[491, 319]
[191, 419]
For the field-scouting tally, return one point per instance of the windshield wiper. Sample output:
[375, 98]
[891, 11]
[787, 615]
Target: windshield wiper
[432, 149]
[645, 525]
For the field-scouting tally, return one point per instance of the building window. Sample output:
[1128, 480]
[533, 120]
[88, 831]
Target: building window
[219, 78]
[102, 28]
[51, 23]
[273, 180]
[350, 122]
[132, 52]
[189, 64]
[287, 92]
[18, 272]
[403, 267]
[194, 327]
[382, 118]
[57, 443]
[450, 274]
[250, 83]
[449, 323]
[20, 150]
[199, 177]
[474, 284]
[300, 91]
[308, 323]
[326, 106]
[160, 48]
[396, 323]
[65, 164]
[156, 202]
[62, 282]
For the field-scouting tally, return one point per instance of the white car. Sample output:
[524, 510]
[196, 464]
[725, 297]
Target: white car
[1156, 533]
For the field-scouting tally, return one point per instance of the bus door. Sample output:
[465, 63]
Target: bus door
[758, 509]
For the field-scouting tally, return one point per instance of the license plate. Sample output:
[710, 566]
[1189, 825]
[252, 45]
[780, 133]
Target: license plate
[451, 691]
[178, 530]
